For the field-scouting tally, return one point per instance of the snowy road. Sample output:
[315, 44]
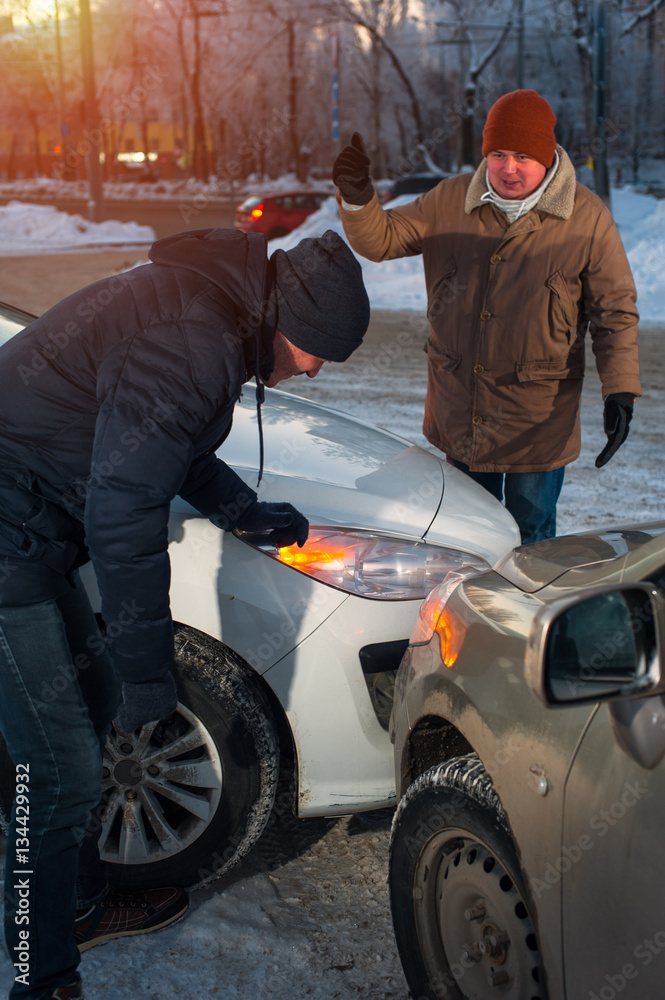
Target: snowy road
[305, 916]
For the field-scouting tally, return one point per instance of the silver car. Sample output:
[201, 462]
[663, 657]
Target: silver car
[529, 729]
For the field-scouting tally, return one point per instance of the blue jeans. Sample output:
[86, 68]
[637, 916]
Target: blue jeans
[531, 497]
[58, 695]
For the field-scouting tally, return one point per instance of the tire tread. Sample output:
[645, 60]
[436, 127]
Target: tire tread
[226, 678]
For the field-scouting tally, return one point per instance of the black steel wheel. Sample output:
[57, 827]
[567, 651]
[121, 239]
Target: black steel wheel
[460, 912]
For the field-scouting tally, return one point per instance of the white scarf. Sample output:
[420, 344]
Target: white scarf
[513, 208]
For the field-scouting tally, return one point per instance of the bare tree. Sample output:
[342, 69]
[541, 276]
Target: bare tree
[464, 26]
[374, 18]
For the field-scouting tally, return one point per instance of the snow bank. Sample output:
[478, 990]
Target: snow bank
[26, 228]
[641, 222]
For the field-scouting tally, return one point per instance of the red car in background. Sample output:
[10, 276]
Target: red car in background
[277, 214]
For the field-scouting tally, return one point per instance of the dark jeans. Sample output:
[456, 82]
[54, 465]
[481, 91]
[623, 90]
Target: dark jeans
[531, 497]
[58, 695]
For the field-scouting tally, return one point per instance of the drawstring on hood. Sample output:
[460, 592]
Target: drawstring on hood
[260, 399]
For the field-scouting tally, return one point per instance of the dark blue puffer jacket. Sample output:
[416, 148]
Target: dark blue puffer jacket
[113, 402]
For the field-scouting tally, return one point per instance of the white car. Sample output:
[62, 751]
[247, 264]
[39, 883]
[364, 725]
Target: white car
[286, 658]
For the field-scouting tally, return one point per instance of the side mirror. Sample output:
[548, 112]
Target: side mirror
[600, 644]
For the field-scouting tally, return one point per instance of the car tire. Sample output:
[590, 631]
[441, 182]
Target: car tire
[186, 799]
[218, 767]
[459, 908]
[278, 231]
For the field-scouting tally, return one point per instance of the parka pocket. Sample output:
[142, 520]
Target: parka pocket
[561, 314]
[537, 371]
[446, 361]
[445, 290]
[38, 523]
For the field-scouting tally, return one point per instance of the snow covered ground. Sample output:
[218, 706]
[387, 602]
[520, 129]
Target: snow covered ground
[27, 229]
[306, 915]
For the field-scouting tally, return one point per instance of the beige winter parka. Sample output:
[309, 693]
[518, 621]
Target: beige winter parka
[509, 307]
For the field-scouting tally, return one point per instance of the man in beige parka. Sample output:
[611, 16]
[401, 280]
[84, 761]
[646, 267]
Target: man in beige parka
[520, 262]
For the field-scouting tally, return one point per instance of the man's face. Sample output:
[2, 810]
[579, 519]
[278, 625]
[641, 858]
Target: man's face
[290, 360]
[514, 175]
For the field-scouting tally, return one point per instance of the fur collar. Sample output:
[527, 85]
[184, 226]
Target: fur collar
[558, 197]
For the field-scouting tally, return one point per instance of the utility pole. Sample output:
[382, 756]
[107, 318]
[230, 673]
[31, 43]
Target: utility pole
[92, 131]
[335, 94]
[520, 46]
[601, 181]
[64, 129]
[293, 97]
[200, 147]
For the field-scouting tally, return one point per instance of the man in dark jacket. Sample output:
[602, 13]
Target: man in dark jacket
[111, 404]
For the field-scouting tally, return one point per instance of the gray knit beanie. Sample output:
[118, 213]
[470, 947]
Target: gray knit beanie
[322, 305]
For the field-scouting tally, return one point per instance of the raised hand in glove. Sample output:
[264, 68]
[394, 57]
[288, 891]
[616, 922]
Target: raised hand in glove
[147, 701]
[616, 420]
[351, 172]
[284, 523]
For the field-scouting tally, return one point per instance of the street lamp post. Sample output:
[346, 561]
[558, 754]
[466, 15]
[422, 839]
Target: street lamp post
[601, 179]
[92, 131]
[61, 87]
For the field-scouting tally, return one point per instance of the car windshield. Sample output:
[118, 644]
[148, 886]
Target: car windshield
[249, 203]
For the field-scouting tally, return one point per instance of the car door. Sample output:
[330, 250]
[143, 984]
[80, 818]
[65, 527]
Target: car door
[603, 645]
[612, 862]
[285, 216]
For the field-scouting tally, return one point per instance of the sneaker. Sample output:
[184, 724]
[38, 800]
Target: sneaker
[122, 914]
[72, 992]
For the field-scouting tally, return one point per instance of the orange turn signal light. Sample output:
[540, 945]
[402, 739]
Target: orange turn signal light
[307, 559]
[451, 631]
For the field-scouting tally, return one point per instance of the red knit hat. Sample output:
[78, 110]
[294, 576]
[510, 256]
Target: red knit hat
[524, 122]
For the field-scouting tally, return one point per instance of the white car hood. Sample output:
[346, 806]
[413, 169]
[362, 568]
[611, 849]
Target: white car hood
[337, 469]
[340, 470]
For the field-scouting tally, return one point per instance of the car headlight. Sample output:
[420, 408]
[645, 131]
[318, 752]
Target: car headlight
[435, 618]
[370, 565]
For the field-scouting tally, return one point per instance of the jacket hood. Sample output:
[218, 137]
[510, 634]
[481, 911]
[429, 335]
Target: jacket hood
[204, 251]
[237, 264]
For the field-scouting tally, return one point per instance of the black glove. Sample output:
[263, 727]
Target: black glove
[616, 420]
[351, 172]
[285, 524]
[148, 701]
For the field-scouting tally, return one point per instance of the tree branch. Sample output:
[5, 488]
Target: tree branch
[643, 15]
[353, 17]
